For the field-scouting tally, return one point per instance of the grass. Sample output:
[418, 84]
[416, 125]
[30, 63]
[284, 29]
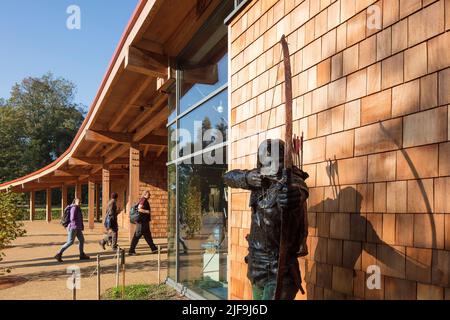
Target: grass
[143, 292]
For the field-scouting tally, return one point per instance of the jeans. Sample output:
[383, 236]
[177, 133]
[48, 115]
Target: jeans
[72, 233]
[267, 292]
[142, 229]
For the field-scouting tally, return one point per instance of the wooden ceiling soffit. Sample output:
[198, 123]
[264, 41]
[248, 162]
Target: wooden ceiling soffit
[154, 123]
[147, 63]
[148, 115]
[150, 46]
[133, 97]
[119, 151]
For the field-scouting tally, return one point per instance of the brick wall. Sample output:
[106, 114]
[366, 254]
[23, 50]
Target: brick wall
[373, 104]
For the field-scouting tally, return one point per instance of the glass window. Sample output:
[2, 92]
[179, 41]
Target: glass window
[172, 103]
[193, 93]
[203, 243]
[204, 126]
[172, 143]
[171, 232]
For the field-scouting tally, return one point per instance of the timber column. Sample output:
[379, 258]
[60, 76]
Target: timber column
[63, 198]
[48, 206]
[97, 202]
[32, 205]
[134, 180]
[106, 188]
[91, 203]
[78, 192]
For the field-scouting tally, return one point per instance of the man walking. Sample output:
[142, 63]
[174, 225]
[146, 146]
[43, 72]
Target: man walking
[143, 225]
[111, 224]
[74, 229]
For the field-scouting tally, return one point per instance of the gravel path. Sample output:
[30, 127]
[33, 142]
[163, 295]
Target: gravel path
[31, 259]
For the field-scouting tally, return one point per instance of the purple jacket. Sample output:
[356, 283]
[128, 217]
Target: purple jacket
[76, 218]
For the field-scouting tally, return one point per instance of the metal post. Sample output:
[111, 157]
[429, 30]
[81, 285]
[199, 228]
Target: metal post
[74, 286]
[117, 267]
[159, 264]
[98, 277]
[123, 274]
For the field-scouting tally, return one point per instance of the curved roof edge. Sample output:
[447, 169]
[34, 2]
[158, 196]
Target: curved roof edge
[61, 159]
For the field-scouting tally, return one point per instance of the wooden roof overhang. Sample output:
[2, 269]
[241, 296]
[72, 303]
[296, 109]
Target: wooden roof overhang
[131, 104]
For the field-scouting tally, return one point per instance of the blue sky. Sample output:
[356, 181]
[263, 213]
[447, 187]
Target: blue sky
[34, 39]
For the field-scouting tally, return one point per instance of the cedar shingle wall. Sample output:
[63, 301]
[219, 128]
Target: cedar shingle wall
[153, 175]
[376, 103]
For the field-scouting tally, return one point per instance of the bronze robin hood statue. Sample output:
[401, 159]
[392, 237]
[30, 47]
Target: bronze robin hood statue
[278, 201]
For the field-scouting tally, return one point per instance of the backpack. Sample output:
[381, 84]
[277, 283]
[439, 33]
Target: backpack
[65, 220]
[134, 214]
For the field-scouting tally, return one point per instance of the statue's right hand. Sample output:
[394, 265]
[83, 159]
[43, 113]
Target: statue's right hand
[254, 178]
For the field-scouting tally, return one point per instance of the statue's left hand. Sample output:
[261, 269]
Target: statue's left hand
[289, 197]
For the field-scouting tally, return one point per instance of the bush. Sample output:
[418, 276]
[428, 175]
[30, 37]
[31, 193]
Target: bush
[10, 226]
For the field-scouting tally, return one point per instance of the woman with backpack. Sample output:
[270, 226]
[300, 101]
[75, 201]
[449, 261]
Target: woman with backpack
[111, 225]
[74, 230]
[143, 225]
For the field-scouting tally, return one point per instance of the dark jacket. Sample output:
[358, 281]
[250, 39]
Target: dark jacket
[265, 229]
[112, 213]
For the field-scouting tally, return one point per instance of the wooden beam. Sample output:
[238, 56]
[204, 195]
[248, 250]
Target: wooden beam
[155, 122]
[57, 179]
[32, 205]
[108, 136]
[145, 62]
[119, 151]
[152, 140]
[74, 172]
[87, 161]
[123, 138]
[150, 46]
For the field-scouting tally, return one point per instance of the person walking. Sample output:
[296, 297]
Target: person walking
[143, 225]
[111, 225]
[74, 230]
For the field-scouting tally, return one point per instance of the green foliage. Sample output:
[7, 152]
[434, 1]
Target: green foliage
[37, 124]
[10, 227]
[192, 207]
[142, 292]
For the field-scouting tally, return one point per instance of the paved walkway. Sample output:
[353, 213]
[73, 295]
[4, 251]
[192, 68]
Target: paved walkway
[31, 257]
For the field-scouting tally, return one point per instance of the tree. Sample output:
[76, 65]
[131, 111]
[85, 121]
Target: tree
[37, 124]
[10, 228]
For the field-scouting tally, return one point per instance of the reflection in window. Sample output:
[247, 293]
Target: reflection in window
[205, 126]
[193, 93]
[203, 243]
[171, 245]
